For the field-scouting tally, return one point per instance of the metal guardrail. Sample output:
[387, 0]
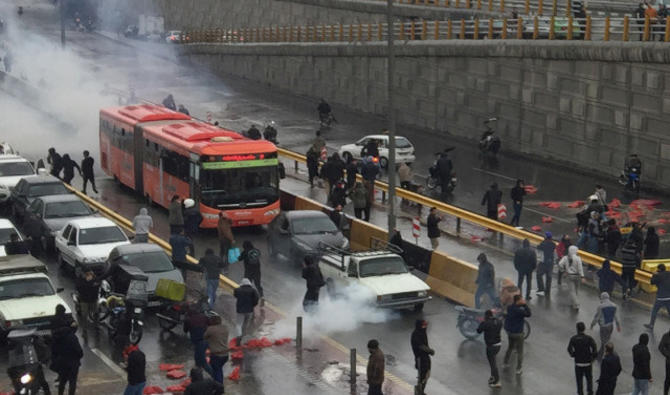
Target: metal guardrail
[480, 220]
[525, 7]
[536, 28]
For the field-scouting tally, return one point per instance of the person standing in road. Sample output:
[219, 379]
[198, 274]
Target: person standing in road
[492, 198]
[369, 173]
[517, 193]
[546, 268]
[312, 165]
[216, 337]
[610, 368]
[582, 348]
[422, 353]
[607, 277]
[142, 224]
[606, 316]
[246, 300]
[314, 281]
[56, 162]
[491, 327]
[630, 261]
[180, 245]
[612, 238]
[87, 172]
[136, 368]
[68, 169]
[212, 265]
[202, 386]
[514, 324]
[571, 265]
[662, 281]
[664, 348]
[445, 167]
[359, 196]
[175, 215]
[88, 289]
[251, 257]
[641, 366]
[651, 244]
[485, 281]
[351, 169]
[66, 354]
[375, 369]
[525, 262]
[224, 229]
[434, 232]
[192, 218]
[196, 325]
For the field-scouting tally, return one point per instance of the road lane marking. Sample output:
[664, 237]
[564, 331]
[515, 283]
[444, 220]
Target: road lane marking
[494, 174]
[105, 359]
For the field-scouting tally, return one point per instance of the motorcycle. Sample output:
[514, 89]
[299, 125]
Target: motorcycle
[469, 320]
[326, 119]
[102, 308]
[173, 313]
[25, 369]
[126, 313]
[433, 180]
[489, 142]
[630, 179]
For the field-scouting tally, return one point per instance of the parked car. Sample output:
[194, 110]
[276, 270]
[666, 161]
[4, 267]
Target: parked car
[6, 230]
[384, 273]
[47, 215]
[12, 169]
[31, 187]
[125, 261]
[295, 234]
[404, 149]
[85, 243]
[28, 299]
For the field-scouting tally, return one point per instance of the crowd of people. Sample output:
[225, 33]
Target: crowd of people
[63, 167]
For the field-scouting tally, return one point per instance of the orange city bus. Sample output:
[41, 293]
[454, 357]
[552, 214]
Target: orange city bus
[161, 153]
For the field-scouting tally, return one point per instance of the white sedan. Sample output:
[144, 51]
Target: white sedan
[404, 149]
[86, 243]
[6, 230]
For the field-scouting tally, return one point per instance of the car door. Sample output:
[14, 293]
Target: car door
[71, 247]
[60, 242]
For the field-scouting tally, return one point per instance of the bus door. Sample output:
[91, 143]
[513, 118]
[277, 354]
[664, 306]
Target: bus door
[194, 176]
[138, 155]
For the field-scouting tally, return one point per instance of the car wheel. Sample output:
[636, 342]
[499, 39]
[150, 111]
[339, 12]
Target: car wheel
[418, 307]
[347, 157]
[383, 162]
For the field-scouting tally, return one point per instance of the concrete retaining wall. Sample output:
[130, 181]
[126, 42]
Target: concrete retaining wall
[587, 103]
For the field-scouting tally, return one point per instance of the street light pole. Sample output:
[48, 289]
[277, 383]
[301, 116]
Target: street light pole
[390, 115]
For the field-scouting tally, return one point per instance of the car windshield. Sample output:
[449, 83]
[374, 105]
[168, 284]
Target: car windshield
[15, 169]
[381, 266]
[66, 209]
[108, 234]
[227, 188]
[401, 142]
[25, 287]
[4, 235]
[313, 225]
[55, 188]
[149, 262]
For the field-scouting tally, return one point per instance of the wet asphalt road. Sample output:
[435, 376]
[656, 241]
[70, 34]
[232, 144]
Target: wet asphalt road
[459, 366]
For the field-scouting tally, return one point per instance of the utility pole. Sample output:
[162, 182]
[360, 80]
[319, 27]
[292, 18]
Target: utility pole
[390, 114]
[61, 6]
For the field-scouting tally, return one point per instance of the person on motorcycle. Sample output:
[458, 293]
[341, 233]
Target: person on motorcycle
[324, 110]
[489, 142]
[253, 133]
[168, 102]
[633, 164]
[445, 168]
[270, 133]
[630, 176]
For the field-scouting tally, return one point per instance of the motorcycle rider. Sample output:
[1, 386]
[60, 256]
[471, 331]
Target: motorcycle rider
[324, 110]
[270, 133]
[444, 168]
[632, 168]
[489, 142]
[253, 133]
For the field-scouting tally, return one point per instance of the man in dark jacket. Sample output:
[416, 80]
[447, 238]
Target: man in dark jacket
[312, 165]
[525, 262]
[422, 353]
[212, 264]
[546, 267]
[641, 366]
[136, 369]
[607, 277]
[175, 215]
[371, 148]
[651, 244]
[583, 349]
[375, 369]
[87, 172]
[66, 354]
[196, 325]
[202, 386]
[445, 167]
[630, 260]
[251, 257]
[514, 324]
[491, 327]
[180, 244]
[517, 193]
[610, 368]
[314, 281]
[485, 281]
[664, 348]
[246, 299]
[192, 218]
[662, 281]
[612, 238]
[491, 200]
[68, 168]
[352, 170]
[432, 223]
[88, 288]
[56, 162]
[369, 173]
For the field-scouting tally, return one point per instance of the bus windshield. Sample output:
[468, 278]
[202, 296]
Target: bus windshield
[227, 188]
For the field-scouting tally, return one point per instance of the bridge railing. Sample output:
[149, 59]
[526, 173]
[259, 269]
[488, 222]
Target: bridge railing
[536, 28]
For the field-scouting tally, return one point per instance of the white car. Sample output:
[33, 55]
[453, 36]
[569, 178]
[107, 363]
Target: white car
[6, 230]
[85, 243]
[404, 149]
[28, 299]
[12, 169]
[174, 37]
[382, 272]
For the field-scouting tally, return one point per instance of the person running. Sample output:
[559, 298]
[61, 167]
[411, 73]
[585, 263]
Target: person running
[607, 278]
[610, 368]
[68, 169]
[485, 281]
[56, 162]
[422, 353]
[375, 368]
[87, 172]
[514, 324]
[571, 265]
[606, 316]
[641, 366]
[525, 262]
[136, 368]
[142, 224]
[491, 327]
[582, 348]
[662, 282]
[212, 265]
[546, 267]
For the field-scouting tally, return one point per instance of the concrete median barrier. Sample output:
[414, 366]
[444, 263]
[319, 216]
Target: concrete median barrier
[452, 278]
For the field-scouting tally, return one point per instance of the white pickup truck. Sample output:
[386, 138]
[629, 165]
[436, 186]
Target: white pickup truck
[28, 299]
[382, 272]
